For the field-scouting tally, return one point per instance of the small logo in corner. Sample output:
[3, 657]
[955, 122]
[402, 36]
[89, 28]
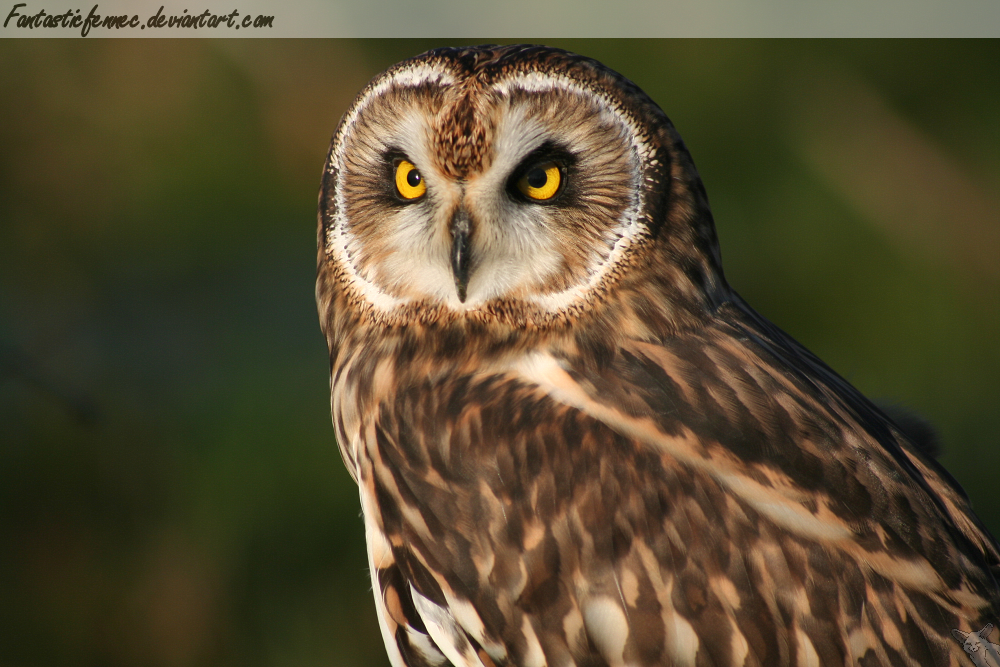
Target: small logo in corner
[983, 652]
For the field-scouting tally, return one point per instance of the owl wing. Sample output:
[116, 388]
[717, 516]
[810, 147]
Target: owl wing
[717, 498]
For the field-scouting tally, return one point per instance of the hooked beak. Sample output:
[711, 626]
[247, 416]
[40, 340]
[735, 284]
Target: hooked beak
[460, 251]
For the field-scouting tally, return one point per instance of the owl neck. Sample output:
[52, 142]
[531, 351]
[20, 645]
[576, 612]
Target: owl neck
[642, 306]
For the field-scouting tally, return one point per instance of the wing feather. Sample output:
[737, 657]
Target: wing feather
[449, 637]
[699, 500]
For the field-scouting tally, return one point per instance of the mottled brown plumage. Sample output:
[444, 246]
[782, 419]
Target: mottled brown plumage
[586, 449]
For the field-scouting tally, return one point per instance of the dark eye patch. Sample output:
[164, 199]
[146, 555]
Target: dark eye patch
[530, 168]
[390, 160]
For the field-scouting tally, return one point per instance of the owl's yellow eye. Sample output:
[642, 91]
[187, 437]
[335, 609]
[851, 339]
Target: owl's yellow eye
[409, 182]
[541, 182]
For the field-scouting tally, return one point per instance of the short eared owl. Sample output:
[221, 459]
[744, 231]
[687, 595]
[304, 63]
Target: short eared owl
[575, 444]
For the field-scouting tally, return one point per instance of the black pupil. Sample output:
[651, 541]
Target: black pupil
[413, 178]
[536, 177]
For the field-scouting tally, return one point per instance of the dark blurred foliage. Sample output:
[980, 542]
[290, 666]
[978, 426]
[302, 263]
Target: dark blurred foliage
[170, 489]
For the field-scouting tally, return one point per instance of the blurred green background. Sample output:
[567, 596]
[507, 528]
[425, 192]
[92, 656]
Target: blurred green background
[170, 489]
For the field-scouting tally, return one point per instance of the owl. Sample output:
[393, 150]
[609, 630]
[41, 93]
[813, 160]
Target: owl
[574, 443]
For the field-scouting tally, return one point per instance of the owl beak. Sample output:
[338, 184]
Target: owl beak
[460, 252]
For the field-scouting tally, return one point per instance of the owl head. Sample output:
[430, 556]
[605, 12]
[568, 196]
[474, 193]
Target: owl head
[520, 185]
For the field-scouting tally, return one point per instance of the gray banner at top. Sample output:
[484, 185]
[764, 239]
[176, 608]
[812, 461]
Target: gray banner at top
[510, 18]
